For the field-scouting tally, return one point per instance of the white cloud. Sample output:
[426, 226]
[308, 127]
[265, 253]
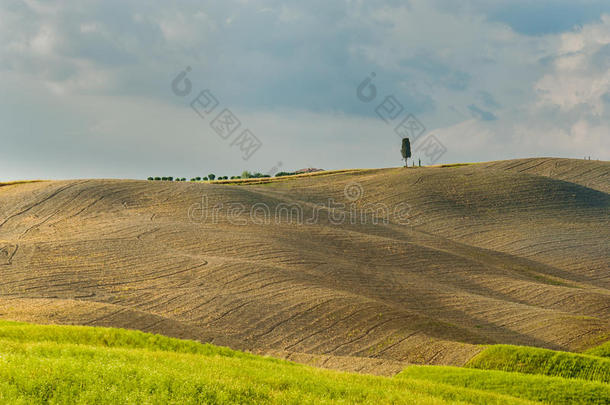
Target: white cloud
[186, 29]
[575, 79]
[292, 69]
[89, 27]
[44, 42]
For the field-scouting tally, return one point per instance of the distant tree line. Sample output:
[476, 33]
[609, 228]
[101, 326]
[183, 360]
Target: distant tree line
[168, 178]
[280, 174]
[247, 175]
[244, 175]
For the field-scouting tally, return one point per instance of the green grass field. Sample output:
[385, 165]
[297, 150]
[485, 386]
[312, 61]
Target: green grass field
[553, 390]
[532, 360]
[66, 364]
[601, 350]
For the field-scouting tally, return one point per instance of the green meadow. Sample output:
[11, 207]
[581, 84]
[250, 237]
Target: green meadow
[601, 351]
[66, 364]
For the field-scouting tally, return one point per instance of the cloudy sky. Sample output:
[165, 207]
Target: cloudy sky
[92, 88]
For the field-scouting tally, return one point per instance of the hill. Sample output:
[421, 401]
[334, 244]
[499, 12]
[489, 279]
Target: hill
[66, 364]
[511, 252]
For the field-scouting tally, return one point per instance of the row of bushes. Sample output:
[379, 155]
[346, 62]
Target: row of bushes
[206, 178]
[212, 176]
[247, 175]
[169, 178]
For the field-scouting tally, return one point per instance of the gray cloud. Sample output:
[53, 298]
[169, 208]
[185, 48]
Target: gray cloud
[541, 17]
[86, 85]
[601, 58]
[481, 114]
[487, 99]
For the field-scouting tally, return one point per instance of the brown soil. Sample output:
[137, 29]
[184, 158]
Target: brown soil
[502, 252]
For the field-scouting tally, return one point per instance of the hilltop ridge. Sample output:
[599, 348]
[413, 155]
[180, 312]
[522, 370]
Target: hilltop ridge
[511, 252]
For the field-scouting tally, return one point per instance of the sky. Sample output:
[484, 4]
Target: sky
[131, 89]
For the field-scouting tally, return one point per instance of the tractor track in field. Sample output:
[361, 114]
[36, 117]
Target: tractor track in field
[500, 252]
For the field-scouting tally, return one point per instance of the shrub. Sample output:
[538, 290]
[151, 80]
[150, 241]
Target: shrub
[150, 178]
[280, 174]
[205, 179]
[197, 178]
[258, 175]
[157, 178]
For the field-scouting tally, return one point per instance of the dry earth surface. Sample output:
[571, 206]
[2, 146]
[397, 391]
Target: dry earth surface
[511, 252]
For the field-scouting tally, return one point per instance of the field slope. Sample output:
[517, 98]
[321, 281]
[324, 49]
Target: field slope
[532, 360]
[63, 364]
[75, 364]
[512, 252]
[551, 390]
